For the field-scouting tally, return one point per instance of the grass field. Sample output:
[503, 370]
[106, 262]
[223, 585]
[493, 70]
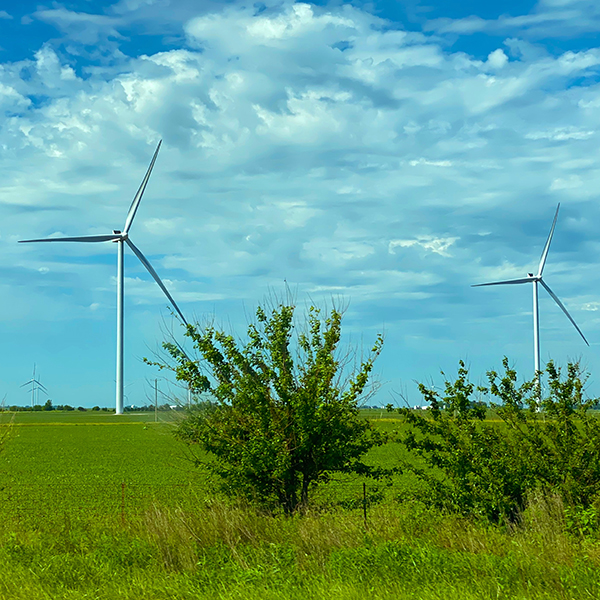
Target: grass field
[95, 461]
[100, 506]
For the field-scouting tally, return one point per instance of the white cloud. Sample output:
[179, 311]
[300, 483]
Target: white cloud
[497, 59]
[81, 27]
[318, 145]
[436, 245]
[560, 134]
[569, 183]
[432, 163]
[550, 18]
[590, 306]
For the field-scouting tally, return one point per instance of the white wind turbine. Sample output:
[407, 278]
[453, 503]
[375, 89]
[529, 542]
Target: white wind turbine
[36, 386]
[121, 238]
[535, 279]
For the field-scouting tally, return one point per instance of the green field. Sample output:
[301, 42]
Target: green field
[102, 506]
[59, 462]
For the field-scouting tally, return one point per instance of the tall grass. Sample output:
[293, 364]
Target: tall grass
[224, 551]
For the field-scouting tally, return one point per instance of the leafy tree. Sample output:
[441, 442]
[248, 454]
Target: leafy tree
[550, 444]
[282, 419]
[48, 405]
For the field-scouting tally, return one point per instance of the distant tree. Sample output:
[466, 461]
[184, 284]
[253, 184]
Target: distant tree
[48, 405]
[95, 408]
[285, 414]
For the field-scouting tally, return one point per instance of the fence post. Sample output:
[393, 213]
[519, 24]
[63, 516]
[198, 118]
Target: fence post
[123, 503]
[365, 504]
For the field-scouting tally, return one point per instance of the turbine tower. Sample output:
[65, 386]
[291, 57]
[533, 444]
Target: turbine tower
[121, 238]
[535, 279]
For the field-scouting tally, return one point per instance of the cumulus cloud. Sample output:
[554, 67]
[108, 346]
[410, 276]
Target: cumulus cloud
[497, 59]
[319, 145]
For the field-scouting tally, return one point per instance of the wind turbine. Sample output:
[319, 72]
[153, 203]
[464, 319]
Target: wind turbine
[35, 386]
[535, 279]
[121, 238]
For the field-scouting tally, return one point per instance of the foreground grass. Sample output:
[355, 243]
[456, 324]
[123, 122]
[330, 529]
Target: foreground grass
[220, 551]
[70, 529]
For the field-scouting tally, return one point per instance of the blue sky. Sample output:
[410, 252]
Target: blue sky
[385, 154]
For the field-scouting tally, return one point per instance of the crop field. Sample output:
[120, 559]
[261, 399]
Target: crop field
[66, 462]
[104, 507]
[93, 461]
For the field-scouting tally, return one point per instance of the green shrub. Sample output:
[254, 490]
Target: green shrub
[285, 413]
[549, 444]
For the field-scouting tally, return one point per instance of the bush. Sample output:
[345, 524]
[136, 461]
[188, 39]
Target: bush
[549, 444]
[281, 420]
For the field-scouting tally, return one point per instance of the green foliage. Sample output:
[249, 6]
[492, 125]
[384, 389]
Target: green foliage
[67, 539]
[282, 420]
[582, 522]
[557, 436]
[551, 444]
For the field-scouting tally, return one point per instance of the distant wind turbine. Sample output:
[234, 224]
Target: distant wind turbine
[535, 279]
[120, 238]
[36, 386]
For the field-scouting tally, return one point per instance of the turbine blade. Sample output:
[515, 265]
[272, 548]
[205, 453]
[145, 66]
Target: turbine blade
[547, 246]
[509, 282]
[561, 305]
[85, 238]
[138, 197]
[26, 383]
[154, 274]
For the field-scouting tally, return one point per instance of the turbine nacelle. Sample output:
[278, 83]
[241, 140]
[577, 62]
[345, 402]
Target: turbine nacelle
[123, 236]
